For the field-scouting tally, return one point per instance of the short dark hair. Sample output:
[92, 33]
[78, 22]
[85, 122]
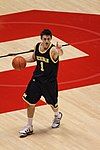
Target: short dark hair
[46, 32]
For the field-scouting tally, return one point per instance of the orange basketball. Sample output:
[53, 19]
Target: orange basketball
[19, 63]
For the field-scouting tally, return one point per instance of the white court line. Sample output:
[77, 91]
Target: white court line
[70, 52]
[61, 83]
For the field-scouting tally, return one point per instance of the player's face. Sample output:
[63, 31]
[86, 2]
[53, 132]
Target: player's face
[46, 40]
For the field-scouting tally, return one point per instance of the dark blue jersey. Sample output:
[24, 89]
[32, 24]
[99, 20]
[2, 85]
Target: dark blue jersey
[47, 68]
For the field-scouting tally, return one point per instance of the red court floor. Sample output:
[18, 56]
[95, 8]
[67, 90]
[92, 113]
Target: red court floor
[79, 30]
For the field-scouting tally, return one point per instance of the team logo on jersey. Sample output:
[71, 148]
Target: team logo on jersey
[40, 58]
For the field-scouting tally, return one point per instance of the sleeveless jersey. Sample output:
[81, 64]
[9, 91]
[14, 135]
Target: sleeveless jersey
[46, 69]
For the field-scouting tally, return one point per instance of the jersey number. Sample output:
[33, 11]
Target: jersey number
[42, 69]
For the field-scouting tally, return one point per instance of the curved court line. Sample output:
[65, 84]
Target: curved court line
[54, 24]
[83, 79]
[85, 41]
[61, 83]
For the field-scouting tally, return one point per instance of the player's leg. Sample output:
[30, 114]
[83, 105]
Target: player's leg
[57, 117]
[28, 128]
[31, 96]
[51, 96]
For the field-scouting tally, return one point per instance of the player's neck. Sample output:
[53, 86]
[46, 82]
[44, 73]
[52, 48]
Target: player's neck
[44, 47]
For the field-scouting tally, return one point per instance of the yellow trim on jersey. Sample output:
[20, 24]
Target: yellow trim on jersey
[56, 106]
[45, 50]
[27, 101]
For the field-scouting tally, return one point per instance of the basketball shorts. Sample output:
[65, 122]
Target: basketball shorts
[36, 89]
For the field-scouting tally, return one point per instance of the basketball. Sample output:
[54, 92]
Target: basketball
[19, 63]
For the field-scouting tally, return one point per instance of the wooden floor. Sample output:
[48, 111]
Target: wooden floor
[79, 130]
[80, 126]
[86, 6]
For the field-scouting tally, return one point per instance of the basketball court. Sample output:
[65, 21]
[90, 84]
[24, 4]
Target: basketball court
[74, 22]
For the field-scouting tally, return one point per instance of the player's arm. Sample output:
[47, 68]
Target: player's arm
[59, 49]
[31, 58]
[56, 52]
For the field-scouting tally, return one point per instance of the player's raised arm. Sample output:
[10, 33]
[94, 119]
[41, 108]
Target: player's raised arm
[56, 52]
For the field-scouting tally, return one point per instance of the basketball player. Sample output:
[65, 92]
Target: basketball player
[44, 80]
